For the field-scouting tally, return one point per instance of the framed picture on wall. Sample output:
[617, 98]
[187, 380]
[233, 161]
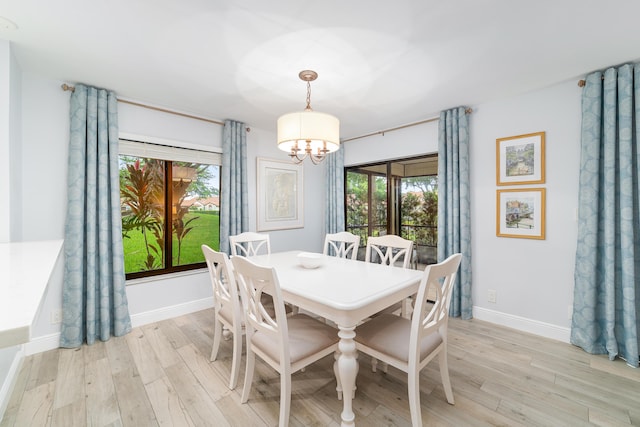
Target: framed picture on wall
[280, 195]
[520, 159]
[521, 213]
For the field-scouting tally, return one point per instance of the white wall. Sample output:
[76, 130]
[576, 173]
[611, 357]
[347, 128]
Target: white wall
[5, 127]
[533, 278]
[408, 142]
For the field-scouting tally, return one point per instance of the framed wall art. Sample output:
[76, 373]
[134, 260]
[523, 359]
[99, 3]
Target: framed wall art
[280, 195]
[520, 159]
[521, 213]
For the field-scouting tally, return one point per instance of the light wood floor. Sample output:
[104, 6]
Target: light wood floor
[160, 374]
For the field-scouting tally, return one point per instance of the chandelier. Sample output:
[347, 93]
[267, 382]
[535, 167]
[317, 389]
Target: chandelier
[308, 133]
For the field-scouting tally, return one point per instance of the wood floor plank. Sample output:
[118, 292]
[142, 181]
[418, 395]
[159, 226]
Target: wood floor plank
[163, 349]
[173, 333]
[36, 406]
[70, 379]
[166, 404]
[133, 402]
[145, 358]
[383, 416]
[44, 368]
[71, 415]
[603, 419]
[238, 414]
[215, 384]
[535, 416]
[201, 408]
[201, 340]
[102, 403]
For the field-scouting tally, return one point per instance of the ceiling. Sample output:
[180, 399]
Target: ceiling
[380, 64]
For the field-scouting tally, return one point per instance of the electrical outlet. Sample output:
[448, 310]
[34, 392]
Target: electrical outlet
[56, 317]
[569, 312]
[492, 295]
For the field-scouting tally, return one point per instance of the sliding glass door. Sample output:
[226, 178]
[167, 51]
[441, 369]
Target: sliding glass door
[397, 197]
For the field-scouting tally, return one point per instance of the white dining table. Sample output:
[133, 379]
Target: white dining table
[346, 292]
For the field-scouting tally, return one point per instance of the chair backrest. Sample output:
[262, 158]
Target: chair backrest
[427, 319]
[249, 244]
[342, 245]
[389, 249]
[253, 281]
[225, 289]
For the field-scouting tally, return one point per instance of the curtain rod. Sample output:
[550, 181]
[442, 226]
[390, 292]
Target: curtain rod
[382, 132]
[67, 87]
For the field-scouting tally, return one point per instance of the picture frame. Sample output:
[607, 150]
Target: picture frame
[520, 159]
[279, 195]
[521, 213]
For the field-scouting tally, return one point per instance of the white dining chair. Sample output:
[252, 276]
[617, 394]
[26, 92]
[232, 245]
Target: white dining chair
[394, 251]
[287, 344]
[250, 244]
[227, 308]
[342, 244]
[410, 344]
[389, 250]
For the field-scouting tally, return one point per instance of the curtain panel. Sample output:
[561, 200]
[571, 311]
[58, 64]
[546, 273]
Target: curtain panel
[334, 198]
[234, 205]
[607, 270]
[454, 213]
[94, 299]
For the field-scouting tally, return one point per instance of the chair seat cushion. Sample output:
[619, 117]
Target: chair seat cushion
[389, 334]
[306, 337]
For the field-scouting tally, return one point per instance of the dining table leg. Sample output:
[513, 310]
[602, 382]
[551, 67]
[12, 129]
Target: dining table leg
[347, 370]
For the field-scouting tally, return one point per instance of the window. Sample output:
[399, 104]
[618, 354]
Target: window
[398, 197]
[167, 191]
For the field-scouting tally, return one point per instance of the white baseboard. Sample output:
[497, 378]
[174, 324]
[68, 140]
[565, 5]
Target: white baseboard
[50, 342]
[10, 381]
[170, 312]
[42, 343]
[536, 327]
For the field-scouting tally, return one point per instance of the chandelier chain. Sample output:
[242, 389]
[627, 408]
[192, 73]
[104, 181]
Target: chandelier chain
[308, 108]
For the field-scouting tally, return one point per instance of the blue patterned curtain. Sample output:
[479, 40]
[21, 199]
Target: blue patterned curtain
[606, 298]
[234, 211]
[334, 198]
[94, 299]
[454, 215]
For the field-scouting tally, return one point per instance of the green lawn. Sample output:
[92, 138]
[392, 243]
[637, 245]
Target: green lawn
[206, 230]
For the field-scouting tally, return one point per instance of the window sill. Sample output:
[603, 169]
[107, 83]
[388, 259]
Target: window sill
[167, 276]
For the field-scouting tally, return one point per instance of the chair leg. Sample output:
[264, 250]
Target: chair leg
[414, 398]
[248, 375]
[285, 398]
[217, 333]
[235, 360]
[374, 364]
[444, 374]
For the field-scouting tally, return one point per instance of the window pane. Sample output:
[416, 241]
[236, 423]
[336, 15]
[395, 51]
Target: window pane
[357, 189]
[419, 215]
[142, 206]
[379, 201]
[195, 211]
